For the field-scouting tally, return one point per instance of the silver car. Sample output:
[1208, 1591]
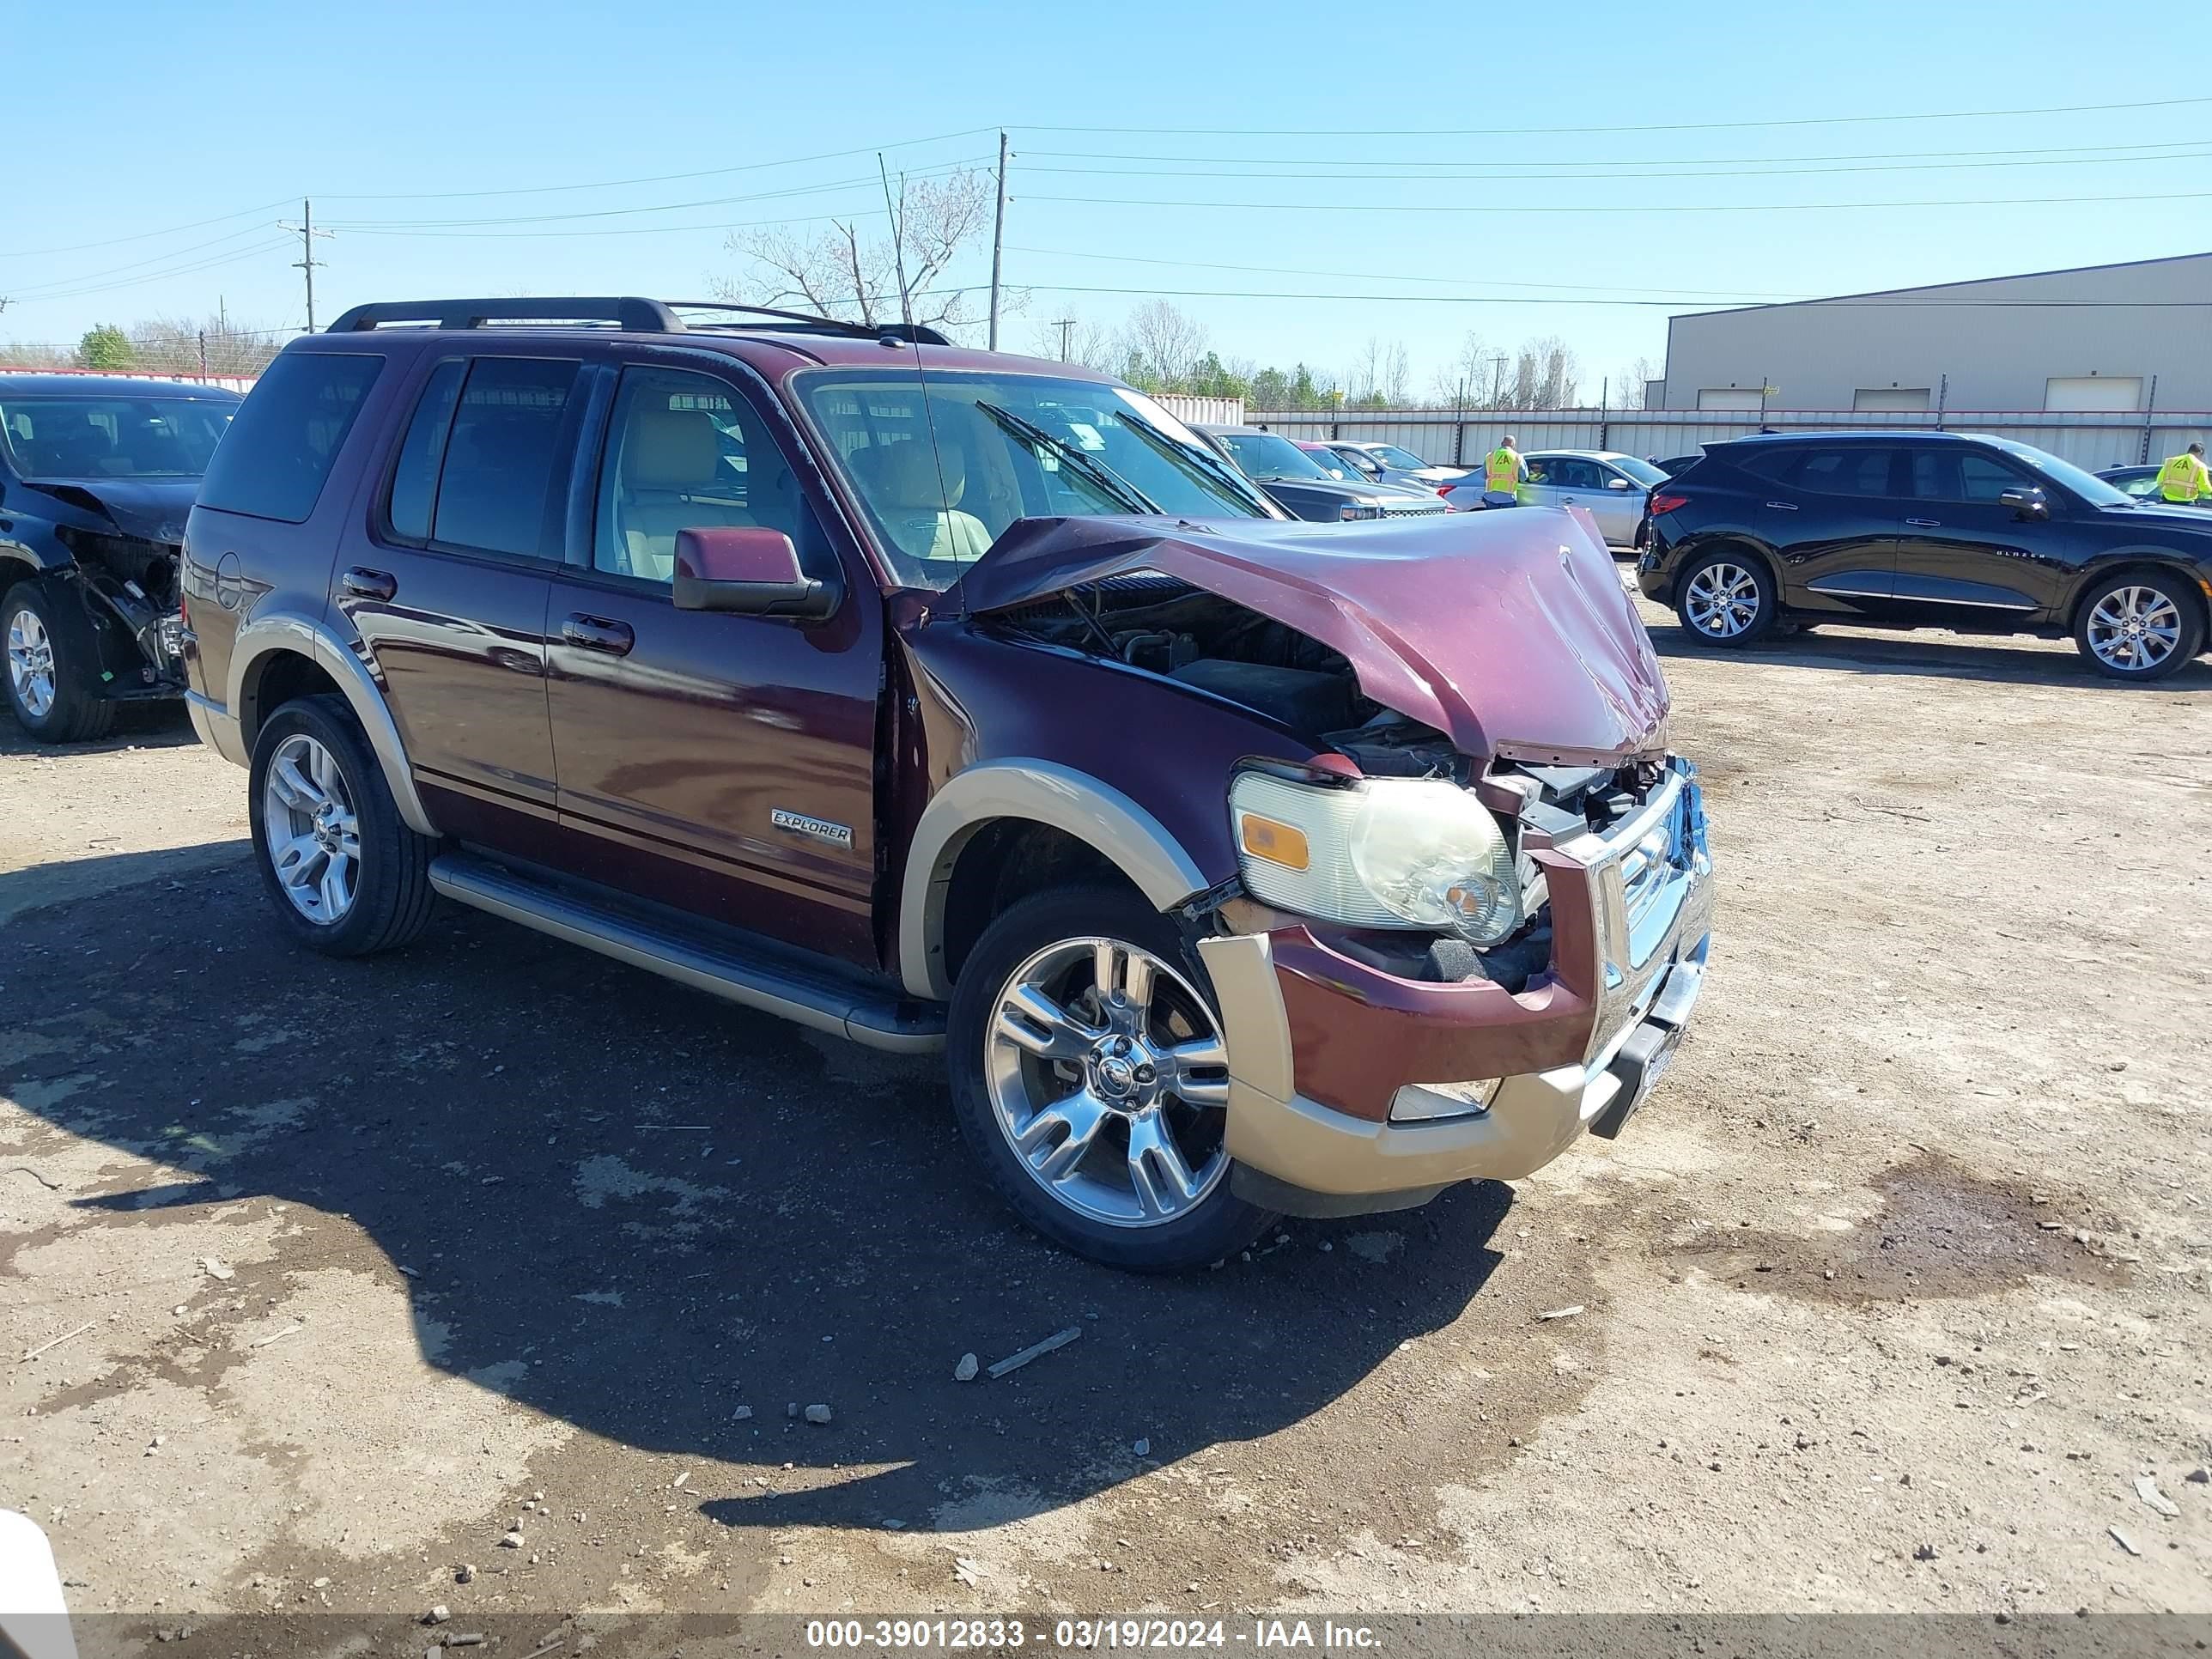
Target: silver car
[1614, 487]
[1388, 464]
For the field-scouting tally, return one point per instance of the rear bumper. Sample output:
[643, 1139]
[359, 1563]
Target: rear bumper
[1319, 1054]
[218, 729]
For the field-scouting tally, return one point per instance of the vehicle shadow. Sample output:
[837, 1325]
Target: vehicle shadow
[2016, 662]
[137, 725]
[639, 1211]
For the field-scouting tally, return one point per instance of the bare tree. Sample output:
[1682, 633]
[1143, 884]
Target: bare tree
[1629, 384]
[840, 273]
[1074, 340]
[1396, 376]
[181, 344]
[26, 354]
[1161, 345]
[1545, 374]
[1467, 381]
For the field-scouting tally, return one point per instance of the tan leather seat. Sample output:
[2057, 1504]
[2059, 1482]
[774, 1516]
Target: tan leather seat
[672, 479]
[917, 494]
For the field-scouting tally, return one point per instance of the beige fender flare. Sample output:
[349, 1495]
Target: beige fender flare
[1043, 792]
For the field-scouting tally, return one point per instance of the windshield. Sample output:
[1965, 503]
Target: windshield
[1642, 471]
[1270, 455]
[1391, 455]
[2088, 485]
[1335, 463]
[112, 437]
[1008, 446]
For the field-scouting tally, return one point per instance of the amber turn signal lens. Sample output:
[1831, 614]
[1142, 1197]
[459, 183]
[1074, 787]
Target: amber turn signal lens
[1275, 841]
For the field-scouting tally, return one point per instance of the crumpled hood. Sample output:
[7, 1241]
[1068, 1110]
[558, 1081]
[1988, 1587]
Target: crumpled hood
[1509, 631]
[155, 508]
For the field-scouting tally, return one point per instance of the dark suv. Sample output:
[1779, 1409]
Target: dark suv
[97, 473]
[939, 699]
[1927, 528]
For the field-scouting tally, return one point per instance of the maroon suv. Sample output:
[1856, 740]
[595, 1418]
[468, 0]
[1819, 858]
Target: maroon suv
[943, 699]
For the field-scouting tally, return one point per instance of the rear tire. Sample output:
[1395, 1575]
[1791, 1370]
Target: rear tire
[52, 674]
[2140, 626]
[347, 877]
[1112, 1145]
[1727, 599]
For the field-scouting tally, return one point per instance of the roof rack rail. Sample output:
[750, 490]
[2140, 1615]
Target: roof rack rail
[628, 313]
[640, 316]
[915, 333]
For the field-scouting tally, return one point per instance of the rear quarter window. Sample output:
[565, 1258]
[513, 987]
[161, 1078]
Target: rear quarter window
[278, 453]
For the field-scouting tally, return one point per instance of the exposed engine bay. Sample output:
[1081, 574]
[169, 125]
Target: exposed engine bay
[129, 584]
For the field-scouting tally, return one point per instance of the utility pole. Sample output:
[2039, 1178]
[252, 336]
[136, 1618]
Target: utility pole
[1063, 324]
[202, 353]
[306, 261]
[998, 242]
[1497, 382]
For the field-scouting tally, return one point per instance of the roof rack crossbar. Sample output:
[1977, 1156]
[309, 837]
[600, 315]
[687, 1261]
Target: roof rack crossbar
[635, 315]
[917, 333]
[628, 313]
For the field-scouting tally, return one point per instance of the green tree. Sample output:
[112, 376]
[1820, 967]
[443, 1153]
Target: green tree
[1305, 394]
[1271, 389]
[103, 347]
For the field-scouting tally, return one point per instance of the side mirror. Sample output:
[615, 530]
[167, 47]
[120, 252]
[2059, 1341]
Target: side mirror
[1616, 483]
[2027, 501]
[746, 571]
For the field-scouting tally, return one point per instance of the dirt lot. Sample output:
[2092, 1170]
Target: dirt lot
[1894, 1299]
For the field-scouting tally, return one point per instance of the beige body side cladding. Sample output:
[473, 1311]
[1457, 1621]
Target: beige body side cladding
[223, 727]
[1042, 792]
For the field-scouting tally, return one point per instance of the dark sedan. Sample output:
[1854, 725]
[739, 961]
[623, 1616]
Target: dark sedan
[97, 474]
[1928, 529]
[1298, 485]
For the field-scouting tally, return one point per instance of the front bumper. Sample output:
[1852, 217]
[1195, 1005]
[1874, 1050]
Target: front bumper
[1320, 1044]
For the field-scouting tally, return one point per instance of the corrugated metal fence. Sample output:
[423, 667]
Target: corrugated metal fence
[1211, 411]
[1444, 437]
[228, 382]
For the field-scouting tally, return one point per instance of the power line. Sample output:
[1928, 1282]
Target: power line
[192, 269]
[32, 291]
[1391, 276]
[141, 235]
[658, 179]
[1624, 162]
[1656, 126]
[1716, 206]
[2176, 155]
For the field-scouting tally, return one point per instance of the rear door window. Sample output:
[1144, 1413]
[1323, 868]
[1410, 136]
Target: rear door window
[278, 453]
[1857, 469]
[414, 479]
[500, 489]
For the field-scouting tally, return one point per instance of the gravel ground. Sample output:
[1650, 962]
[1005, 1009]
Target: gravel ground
[494, 1261]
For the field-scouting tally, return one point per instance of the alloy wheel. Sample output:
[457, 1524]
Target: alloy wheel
[2134, 629]
[31, 663]
[310, 829]
[1108, 1075]
[1722, 600]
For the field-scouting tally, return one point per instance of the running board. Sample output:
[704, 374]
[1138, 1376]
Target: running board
[818, 997]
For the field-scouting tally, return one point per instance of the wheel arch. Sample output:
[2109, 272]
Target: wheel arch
[303, 656]
[1032, 823]
[2142, 564]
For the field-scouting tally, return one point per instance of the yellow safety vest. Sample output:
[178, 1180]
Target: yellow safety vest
[1501, 472]
[2183, 478]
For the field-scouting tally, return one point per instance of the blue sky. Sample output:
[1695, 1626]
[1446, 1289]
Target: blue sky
[229, 112]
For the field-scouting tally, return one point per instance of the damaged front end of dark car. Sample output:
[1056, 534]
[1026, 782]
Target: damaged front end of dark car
[97, 476]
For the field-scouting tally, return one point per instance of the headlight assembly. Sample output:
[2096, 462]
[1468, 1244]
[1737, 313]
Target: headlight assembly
[1383, 853]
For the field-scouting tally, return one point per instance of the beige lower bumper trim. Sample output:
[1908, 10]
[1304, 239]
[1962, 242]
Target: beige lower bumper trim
[217, 728]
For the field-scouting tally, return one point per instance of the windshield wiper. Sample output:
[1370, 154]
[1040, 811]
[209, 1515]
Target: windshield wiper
[1226, 471]
[1133, 499]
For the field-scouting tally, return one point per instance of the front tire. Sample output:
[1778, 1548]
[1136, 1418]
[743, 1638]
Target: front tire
[1727, 599]
[347, 877]
[53, 688]
[1089, 1073]
[2139, 626]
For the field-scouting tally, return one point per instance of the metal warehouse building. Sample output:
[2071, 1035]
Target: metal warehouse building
[2110, 339]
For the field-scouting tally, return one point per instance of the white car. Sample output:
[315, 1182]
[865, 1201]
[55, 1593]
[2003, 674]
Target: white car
[1614, 487]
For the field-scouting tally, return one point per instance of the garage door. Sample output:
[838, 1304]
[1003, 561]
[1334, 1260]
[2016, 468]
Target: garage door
[1728, 396]
[1891, 399]
[2103, 393]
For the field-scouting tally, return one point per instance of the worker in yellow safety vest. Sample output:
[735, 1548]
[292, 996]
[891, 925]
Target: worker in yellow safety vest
[1504, 471]
[2184, 479]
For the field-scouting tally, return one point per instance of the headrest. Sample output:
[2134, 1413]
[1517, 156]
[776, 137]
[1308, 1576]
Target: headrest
[671, 449]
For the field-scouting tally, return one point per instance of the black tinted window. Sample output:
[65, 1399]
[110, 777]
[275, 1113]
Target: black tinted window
[415, 481]
[1775, 464]
[495, 491]
[1962, 475]
[1854, 471]
[278, 453]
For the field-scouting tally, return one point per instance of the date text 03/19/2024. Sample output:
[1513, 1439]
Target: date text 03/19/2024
[983, 1635]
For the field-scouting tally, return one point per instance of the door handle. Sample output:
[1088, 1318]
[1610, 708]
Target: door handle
[1925, 523]
[1783, 507]
[369, 584]
[597, 634]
